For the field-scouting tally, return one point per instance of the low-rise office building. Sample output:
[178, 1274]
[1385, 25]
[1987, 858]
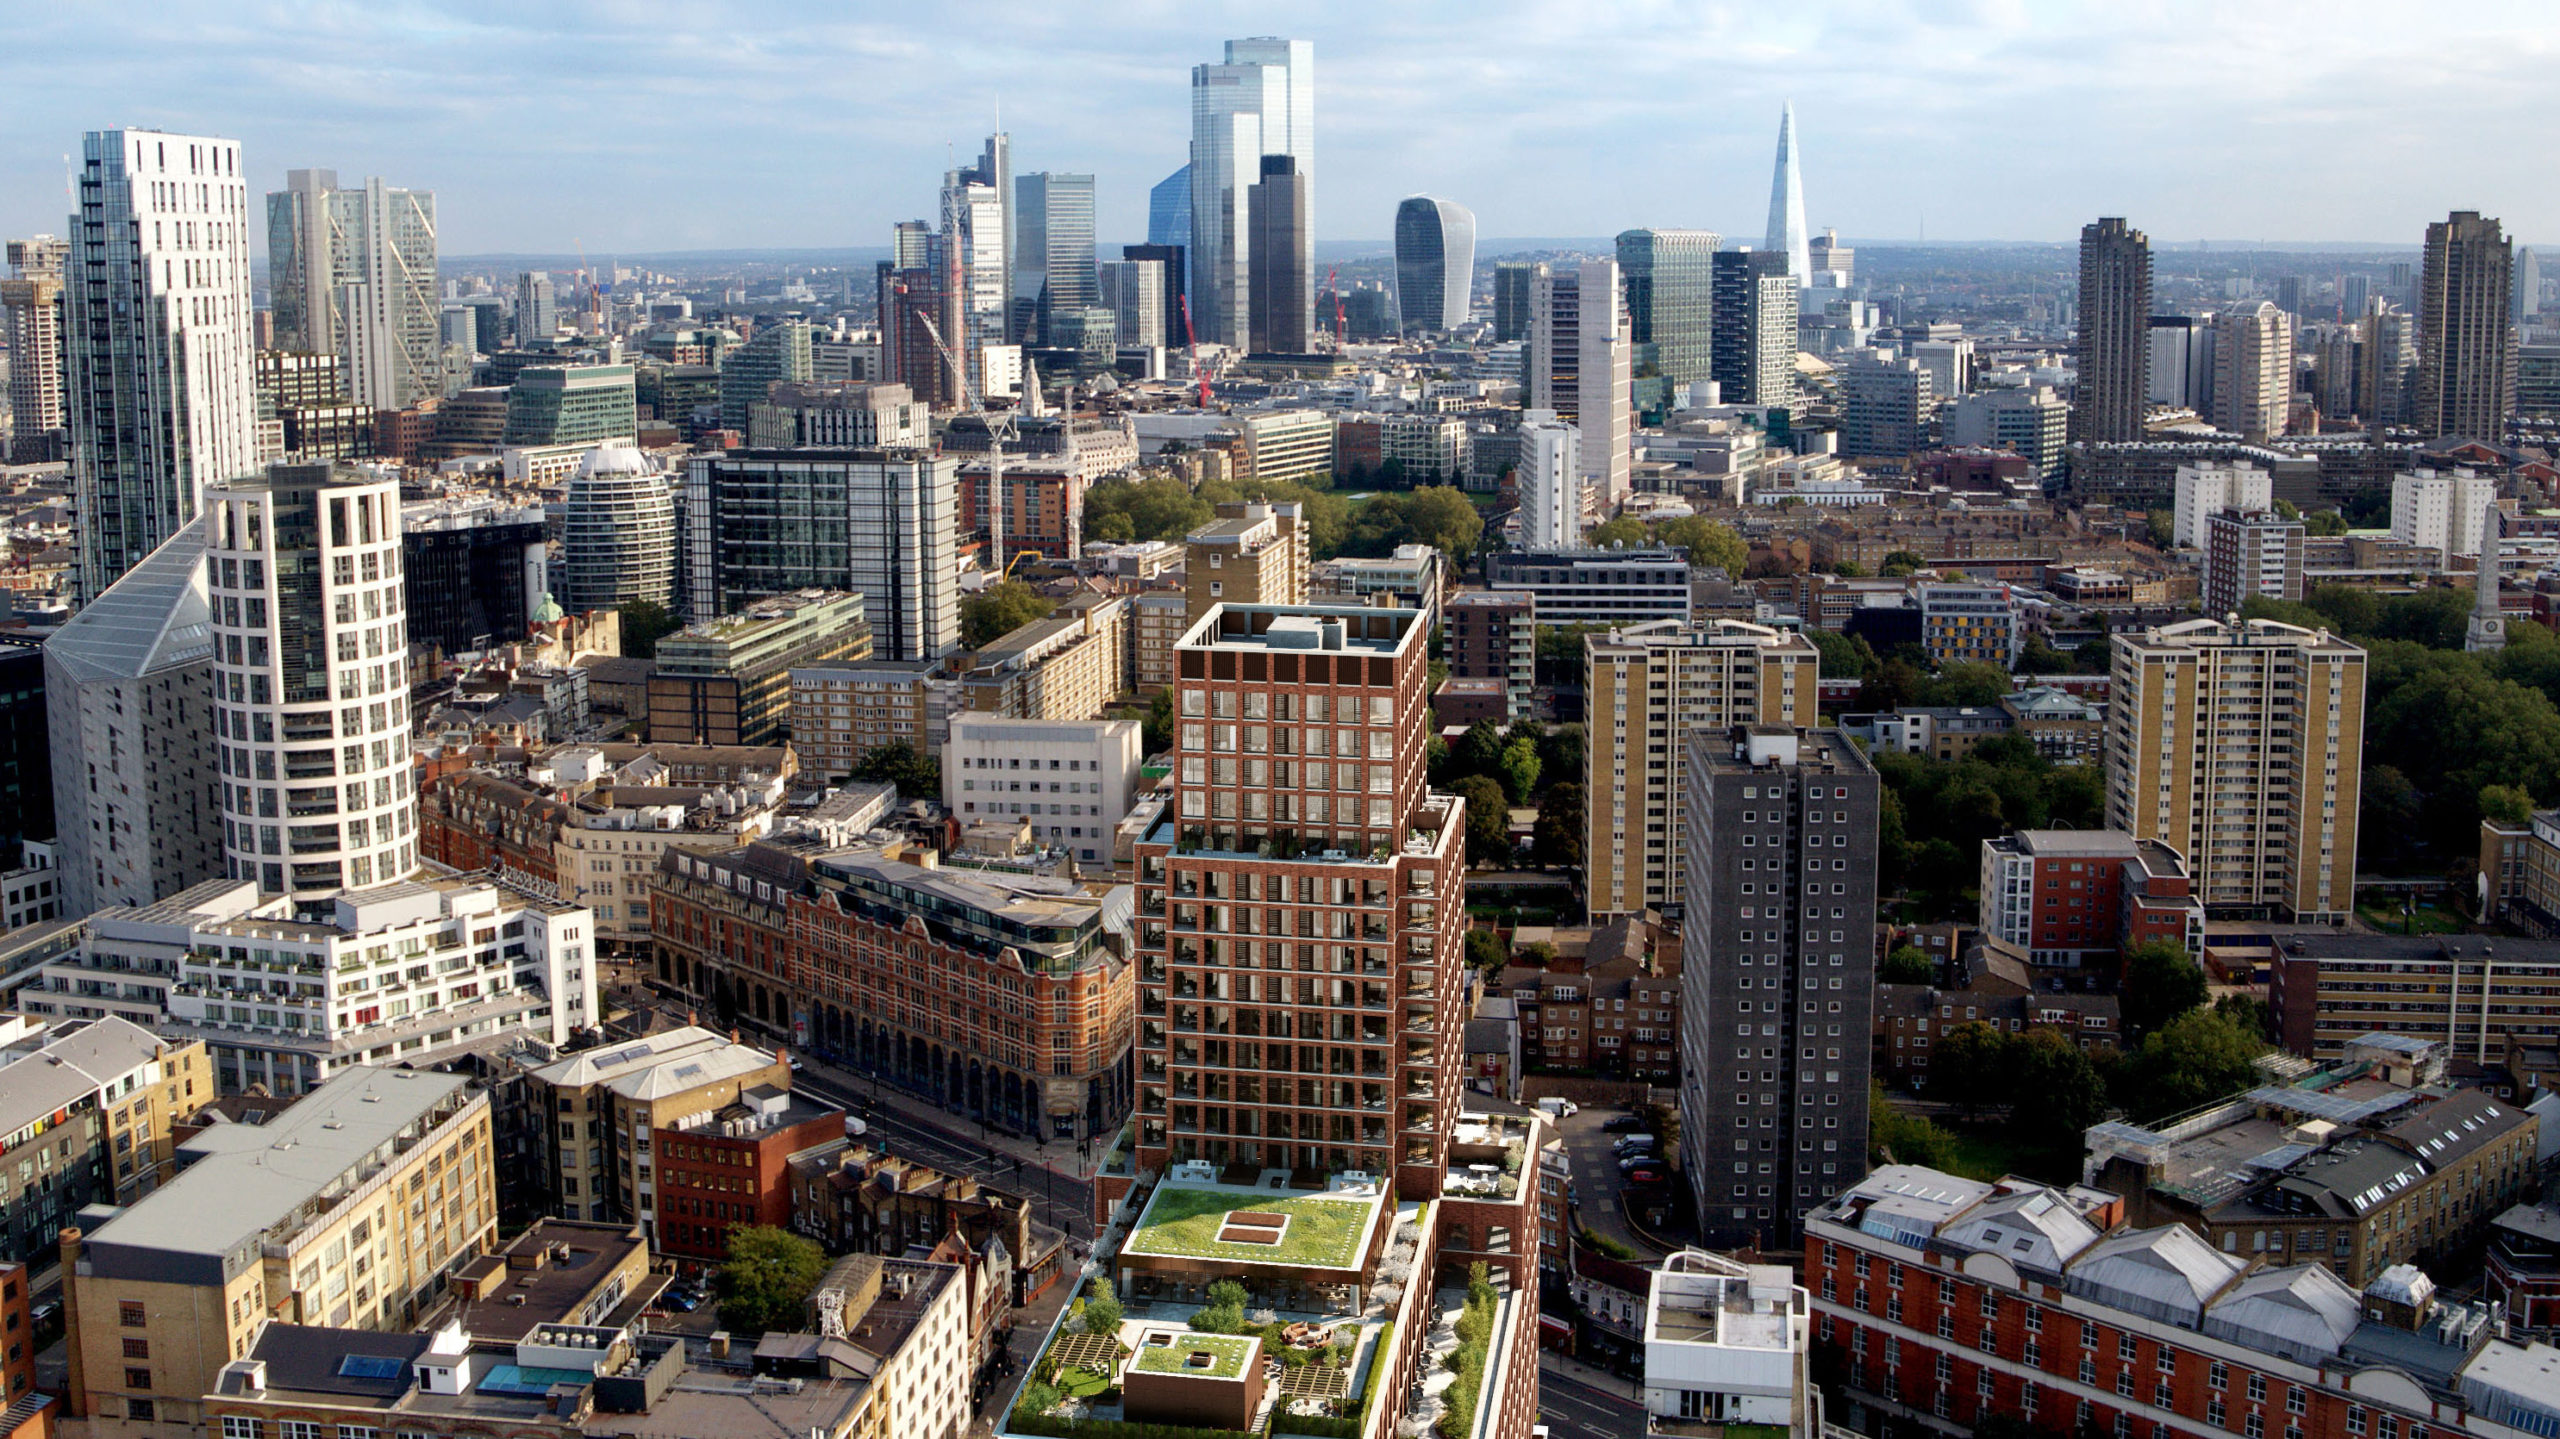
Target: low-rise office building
[1727, 1343]
[728, 681]
[87, 1106]
[1070, 780]
[1068, 666]
[2070, 899]
[1596, 587]
[606, 1106]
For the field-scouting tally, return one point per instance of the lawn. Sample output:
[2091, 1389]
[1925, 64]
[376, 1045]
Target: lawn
[1321, 1232]
[1984, 1153]
[2430, 919]
[1227, 1355]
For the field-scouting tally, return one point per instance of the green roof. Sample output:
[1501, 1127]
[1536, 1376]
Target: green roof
[1227, 1355]
[1322, 1231]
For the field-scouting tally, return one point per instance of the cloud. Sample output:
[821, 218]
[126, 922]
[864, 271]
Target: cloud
[633, 127]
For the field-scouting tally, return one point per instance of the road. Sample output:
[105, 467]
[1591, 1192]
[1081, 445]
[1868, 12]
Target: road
[1057, 1195]
[1573, 1407]
[1596, 1181]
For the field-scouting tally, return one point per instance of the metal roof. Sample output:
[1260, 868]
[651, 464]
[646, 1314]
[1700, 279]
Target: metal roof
[152, 618]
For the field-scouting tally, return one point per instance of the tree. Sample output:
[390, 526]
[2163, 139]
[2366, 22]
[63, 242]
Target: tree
[2095, 656]
[1844, 657]
[2327, 524]
[765, 1283]
[1967, 1069]
[2160, 982]
[917, 776]
[1486, 951]
[1488, 820]
[1537, 954]
[1624, 530]
[1156, 732]
[1518, 769]
[1557, 841]
[1908, 964]
[1970, 682]
[999, 610]
[2039, 657]
[2199, 1057]
[1102, 1312]
[1903, 1138]
[1712, 544]
[1479, 751]
[644, 623]
[1850, 570]
[2164, 527]
[2288, 510]
[1442, 516]
[2506, 804]
[1903, 562]
[2052, 1089]
[1151, 507]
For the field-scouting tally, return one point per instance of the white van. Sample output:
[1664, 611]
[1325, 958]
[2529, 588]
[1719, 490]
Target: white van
[1558, 1108]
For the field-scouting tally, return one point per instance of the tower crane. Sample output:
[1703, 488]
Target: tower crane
[1334, 289]
[1000, 432]
[1194, 337]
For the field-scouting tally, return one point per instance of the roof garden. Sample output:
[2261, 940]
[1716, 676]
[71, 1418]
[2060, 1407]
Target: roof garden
[1197, 1356]
[1254, 1226]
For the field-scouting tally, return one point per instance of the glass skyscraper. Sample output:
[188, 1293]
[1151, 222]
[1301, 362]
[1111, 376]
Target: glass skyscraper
[1670, 280]
[1169, 209]
[1052, 248]
[1435, 263]
[1260, 101]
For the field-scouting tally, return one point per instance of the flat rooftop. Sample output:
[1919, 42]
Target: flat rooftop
[238, 1181]
[1303, 628]
[1195, 1356]
[1188, 1219]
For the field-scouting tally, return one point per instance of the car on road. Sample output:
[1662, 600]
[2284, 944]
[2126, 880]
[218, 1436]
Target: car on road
[1633, 1142]
[1623, 1124]
[1634, 1162]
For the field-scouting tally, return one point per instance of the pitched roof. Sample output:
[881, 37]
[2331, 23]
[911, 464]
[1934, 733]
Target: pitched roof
[154, 617]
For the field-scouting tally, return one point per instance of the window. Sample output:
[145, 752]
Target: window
[131, 1315]
[2257, 1389]
[137, 1349]
[137, 1378]
[2294, 1400]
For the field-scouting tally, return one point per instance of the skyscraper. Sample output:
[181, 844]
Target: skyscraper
[1133, 290]
[310, 679]
[1169, 209]
[617, 534]
[1280, 308]
[1053, 249]
[2466, 343]
[1670, 279]
[1549, 481]
[31, 322]
[2252, 370]
[537, 307]
[1580, 364]
[778, 354]
[1513, 285]
[1170, 259]
[1260, 101]
[1884, 406]
[883, 523]
[2528, 284]
[1753, 355]
[1787, 234]
[1779, 820]
[974, 258]
[162, 392]
[2115, 332]
[1352, 870]
[2386, 363]
[1435, 263]
[353, 274]
[150, 823]
[2243, 749]
[1649, 686]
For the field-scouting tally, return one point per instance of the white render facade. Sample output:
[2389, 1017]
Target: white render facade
[1726, 1342]
[156, 340]
[2442, 512]
[1550, 482]
[1072, 781]
[400, 973]
[2212, 488]
[310, 672]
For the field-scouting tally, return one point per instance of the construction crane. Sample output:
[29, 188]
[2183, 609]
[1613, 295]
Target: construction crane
[595, 297]
[1000, 432]
[1194, 337]
[1335, 290]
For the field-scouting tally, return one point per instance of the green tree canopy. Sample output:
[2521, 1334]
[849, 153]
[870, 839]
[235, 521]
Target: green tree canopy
[644, 623]
[1908, 964]
[1557, 842]
[1844, 657]
[2506, 804]
[1712, 544]
[1433, 515]
[1624, 530]
[2160, 981]
[1488, 820]
[2199, 1057]
[1152, 507]
[765, 1282]
[1969, 682]
[917, 776]
[999, 610]
[2327, 524]
[1518, 769]
[1486, 951]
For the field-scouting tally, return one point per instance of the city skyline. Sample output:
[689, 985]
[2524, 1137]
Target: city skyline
[2004, 125]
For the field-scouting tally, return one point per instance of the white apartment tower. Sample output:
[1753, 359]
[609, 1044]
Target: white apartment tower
[2209, 489]
[1581, 365]
[1550, 482]
[2253, 370]
[1260, 101]
[162, 391]
[2442, 512]
[354, 275]
[310, 677]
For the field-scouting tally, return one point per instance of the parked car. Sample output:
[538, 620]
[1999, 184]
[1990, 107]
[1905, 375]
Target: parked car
[1557, 1108]
[1623, 1124]
[1634, 1142]
[1634, 1162]
[1646, 1176]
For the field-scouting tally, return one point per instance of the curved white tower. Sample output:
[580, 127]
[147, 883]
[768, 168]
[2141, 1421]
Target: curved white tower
[310, 673]
[1435, 263]
[617, 533]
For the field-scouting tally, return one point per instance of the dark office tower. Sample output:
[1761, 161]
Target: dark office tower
[26, 757]
[1513, 283]
[779, 354]
[473, 574]
[1435, 264]
[1753, 354]
[1280, 314]
[1052, 250]
[2115, 332]
[2466, 343]
[1175, 275]
[1778, 956]
[1670, 280]
[2291, 294]
[910, 304]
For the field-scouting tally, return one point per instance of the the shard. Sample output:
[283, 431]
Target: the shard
[1786, 205]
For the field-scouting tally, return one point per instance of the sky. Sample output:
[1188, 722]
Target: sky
[722, 124]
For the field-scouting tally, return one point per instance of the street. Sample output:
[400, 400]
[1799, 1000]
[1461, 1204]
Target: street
[1575, 1404]
[1059, 1195]
[1596, 1181]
